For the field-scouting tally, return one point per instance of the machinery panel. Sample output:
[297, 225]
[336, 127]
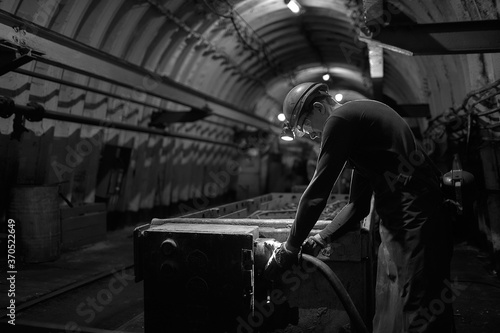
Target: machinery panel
[197, 278]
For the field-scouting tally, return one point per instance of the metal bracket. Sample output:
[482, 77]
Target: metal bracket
[16, 51]
[13, 56]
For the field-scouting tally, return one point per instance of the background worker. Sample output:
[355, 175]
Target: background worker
[416, 247]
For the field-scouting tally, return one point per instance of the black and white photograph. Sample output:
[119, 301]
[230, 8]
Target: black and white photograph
[250, 166]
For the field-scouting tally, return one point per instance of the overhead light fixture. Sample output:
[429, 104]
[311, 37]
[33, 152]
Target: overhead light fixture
[326, 77]
[339, 97]
[293, 5]
[287, 133]
[281, 117]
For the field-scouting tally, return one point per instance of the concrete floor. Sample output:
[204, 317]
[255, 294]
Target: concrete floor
[477, 306]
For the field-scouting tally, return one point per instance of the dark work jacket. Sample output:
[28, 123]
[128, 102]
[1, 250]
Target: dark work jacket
[377, 142]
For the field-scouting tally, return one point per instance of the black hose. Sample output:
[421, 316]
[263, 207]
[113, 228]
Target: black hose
[339, 289]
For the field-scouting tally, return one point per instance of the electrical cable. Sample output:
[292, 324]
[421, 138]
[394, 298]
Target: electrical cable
[339, 289]
[261, 44]
[216, 12]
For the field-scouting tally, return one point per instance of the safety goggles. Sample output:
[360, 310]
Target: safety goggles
[298, 130]
[304, 126]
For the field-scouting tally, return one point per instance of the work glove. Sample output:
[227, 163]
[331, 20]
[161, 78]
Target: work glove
[313, 245]
[281, 260]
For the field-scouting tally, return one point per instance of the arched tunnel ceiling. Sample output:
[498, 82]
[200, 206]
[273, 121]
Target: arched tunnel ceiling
[247, 53]
[244, 53]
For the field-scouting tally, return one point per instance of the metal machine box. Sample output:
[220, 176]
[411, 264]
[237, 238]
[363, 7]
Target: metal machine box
[268, 216]
[197, 277]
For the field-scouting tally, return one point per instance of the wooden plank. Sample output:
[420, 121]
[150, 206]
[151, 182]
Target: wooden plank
[89, 221]
[80, 210]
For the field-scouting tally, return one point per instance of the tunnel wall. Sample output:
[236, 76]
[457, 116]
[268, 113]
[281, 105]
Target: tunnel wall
[148, 170]
[88, 160]
[163, 170]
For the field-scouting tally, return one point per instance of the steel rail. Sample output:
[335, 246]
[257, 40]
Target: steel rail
[70, 287]
[83, 87]
[37, 112]
[107, 94]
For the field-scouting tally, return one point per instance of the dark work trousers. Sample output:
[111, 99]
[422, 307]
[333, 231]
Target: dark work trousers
[413, 291]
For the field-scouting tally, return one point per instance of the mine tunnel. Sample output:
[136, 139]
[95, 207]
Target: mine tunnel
[250, 166]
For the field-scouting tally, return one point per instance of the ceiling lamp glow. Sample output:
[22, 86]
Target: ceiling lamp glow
[326, 77]
[293, 5]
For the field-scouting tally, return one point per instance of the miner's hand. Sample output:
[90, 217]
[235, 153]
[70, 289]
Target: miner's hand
[281, 260]
[313, 245]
